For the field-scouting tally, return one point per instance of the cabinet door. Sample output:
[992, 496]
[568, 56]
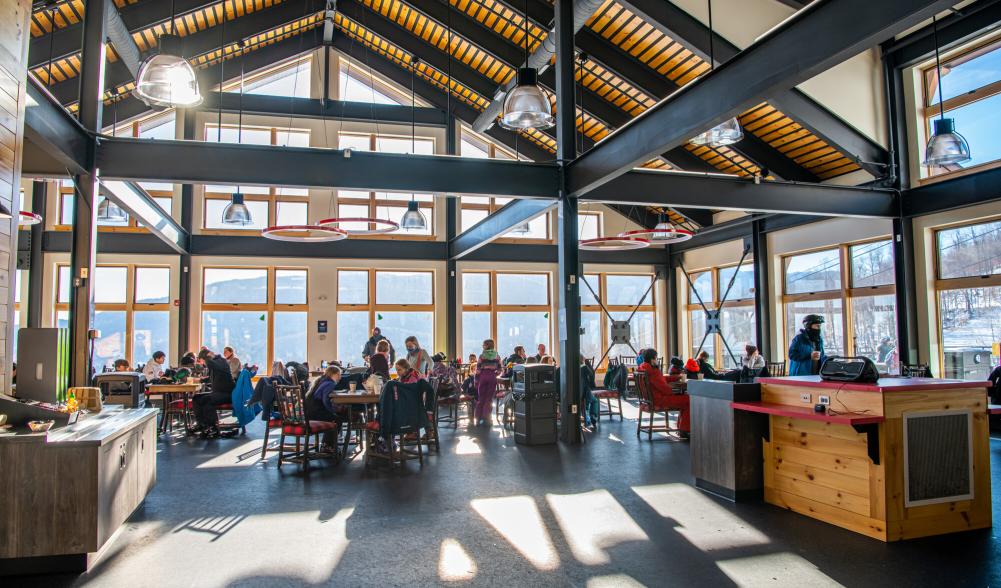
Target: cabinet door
[146, 458]
[117, 486]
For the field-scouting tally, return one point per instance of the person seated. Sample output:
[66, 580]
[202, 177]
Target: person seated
[516, 358]
[663, 396]
[319, 407]
[221, 380]
[235, 365]
[448, 379]
[591, 405]
[705, 368]
[378, 362]
[753, 359]
[547, 360]
[691, 368]
[537, 358]
[677, 366]
[122, 365]
[153, 370]
[406, 374]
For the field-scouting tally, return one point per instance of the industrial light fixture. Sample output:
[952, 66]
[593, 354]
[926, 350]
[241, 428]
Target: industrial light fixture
[304, 233]
[727, 132]
[381, 226]
[665, 232]
[109, 212]
[945, 146]
[613, 244]
[27, 219]
[236, 212]
[166, 79]
[522, 229]
[527, 106]
[413, 219]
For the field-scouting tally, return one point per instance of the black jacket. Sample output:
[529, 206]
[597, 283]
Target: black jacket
[402, 407]
[370, 348]
[219, 375]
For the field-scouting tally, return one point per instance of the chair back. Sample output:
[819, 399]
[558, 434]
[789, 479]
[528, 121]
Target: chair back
[776, 369]
[915, 370]
[643, 388]
[290, 404]
[402, 408]
[431, 398]
[589, 362]
[292, 376]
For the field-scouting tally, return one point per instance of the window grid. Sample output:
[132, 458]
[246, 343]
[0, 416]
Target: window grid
[601, 289]
[494, 308]
[63, 224]
[712, 303]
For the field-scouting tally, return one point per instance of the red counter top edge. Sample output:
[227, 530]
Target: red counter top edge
[883, 385]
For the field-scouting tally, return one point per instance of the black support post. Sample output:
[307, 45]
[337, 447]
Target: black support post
[906, 290]
[451, 230]
[762, 309]
[184, 290]
[36, 271]
[671, 285]
[83, 252]
[569, 264]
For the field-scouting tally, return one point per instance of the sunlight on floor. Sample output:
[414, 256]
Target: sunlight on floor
[454, 564]
[243, 455]
[776, 569]
[593, 522]
[704, 523]
[466, 445]
[613, 581]
[612, 437]
[517, 519]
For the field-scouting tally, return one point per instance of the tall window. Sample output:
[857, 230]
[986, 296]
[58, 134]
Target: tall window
[969, 298]
[730, 290]
[852, 287]
[268, 206]
[161, 194]
[289, 79]
[246, 308]
[620, 294]
[971, 89]
[20, 279]
[358, 83]
[399, 302]
[131, 311]
[511, 308]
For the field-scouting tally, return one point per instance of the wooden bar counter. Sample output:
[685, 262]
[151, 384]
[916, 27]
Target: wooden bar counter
[897, 459]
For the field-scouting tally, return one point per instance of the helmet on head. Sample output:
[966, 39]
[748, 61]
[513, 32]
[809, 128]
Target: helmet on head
[812, 319]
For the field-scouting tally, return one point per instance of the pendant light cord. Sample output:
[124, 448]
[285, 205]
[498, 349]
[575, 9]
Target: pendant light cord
[938, 69]
[222, 69]
[173, 14]
[52, 38]
[526, 33]
[712, 54]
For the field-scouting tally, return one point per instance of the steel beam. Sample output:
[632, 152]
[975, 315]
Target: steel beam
[817, 38]
[36, 271]
[953, 193]
[53, 130]
[906, 290]
[185, 289]
[255, 104]
[665, 188]
[965, 24]
[498, 224]
[132, 198]
[762, 306]
[452, 217]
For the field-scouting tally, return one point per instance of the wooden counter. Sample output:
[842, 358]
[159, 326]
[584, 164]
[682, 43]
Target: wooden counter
[898, 459]
[66, 492]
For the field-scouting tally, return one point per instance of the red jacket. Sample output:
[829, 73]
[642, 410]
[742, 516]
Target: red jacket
[660, 387]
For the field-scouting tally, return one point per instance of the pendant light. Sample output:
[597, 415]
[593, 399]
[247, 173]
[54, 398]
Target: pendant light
[946, 146]
[664, 233]
[413, 219]
[727, 132]
[236, 212]
[527, 106]
[109, 212]
[613, 244]
[522, 229]
[166, 79]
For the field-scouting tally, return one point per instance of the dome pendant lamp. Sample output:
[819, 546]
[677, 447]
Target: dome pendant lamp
[945, 146]
[527, 106]
[727, 132]
[109, 212]
[166, 79]
[236, 212]
[413, 219]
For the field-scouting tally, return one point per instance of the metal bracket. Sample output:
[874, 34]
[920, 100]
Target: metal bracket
[871, 431]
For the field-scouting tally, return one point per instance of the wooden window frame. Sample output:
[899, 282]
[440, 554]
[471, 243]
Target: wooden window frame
[130, 306]
[602, 291]
[372, 307]
[494, 308]
[134, 225]
[692, 304]
[492, 207]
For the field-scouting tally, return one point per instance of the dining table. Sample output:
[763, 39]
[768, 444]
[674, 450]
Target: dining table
[362, 398]
[170, 393]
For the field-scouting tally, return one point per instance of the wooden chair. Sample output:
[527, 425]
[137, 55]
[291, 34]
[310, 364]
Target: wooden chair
[776, 369]
[295, 424]
[432, 405]
[605, 407]
[646, 405]
[274, 422]
[391, 453]
[453, 403]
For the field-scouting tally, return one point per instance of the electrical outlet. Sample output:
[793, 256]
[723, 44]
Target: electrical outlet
[825, 400]
[805, 397]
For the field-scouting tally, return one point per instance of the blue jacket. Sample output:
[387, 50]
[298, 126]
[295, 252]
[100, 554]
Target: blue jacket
[242, 393]
[800, 362]
[322, 393]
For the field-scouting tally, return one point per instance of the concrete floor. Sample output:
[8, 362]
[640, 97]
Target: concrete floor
[613, 512]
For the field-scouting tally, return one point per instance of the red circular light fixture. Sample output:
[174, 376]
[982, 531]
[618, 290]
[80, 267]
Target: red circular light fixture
[382, 225]
[661, 236]
[304, 234]
[27, 219]
[613, 244]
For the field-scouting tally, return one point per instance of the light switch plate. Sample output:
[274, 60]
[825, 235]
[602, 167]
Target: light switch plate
[805, 397]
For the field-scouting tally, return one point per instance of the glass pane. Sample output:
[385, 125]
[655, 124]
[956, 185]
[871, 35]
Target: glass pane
[235, 286]
[63, 284]
[18, 281]
[227, 190]
[352, 288]
[353, 211]
[66, 209]
[475, 328]
[642, 333]
[244, 135]
[738, 327]
[404, 145]
[152, 285]
[395, 213]
[872, 264]
[743, 285]
[150, 333]
[354, 89]
[697, 322]
[214, 209]
[970, 251]
[522, 289]
[590, 341]
[832, 329]
[290, 337]
[474, 200]
[468, 149]
[971, 321]
[471, 217]
[111, 344]
[397, 326]
[980, 123]
[290, 286]
[628, 290]
[586, 297]
[813, 272]
[288, 82]
[164, 202]
[538, 228]
[352, 333]
[963, 76]
[874, 322]
[354, 142]
[63, 319]
[110, 284]
[286, 191]
[294, 138]
[403, 288]
[703, 283]
[521, 328]
[589, 226]
[292, 213]
[404, 196]
[245, 331]
[475, 288]
[161, 127]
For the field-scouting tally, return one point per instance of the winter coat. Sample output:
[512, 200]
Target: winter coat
[243, 391]
[402, 407]
[800, 350]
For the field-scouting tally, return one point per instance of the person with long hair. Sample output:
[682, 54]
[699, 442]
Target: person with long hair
[487, 368]
[319, 407]
[417, 357]
[406, 374]
[378, 362]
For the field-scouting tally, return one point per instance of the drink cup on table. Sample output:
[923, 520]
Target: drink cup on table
[352, 386]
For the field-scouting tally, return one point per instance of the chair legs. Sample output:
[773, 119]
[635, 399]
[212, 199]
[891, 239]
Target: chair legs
[267, 432]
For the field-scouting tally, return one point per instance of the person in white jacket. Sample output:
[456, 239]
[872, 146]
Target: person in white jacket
[153, 370]
[753, 359]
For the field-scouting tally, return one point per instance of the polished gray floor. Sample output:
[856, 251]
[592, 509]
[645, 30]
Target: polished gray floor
[613, 512]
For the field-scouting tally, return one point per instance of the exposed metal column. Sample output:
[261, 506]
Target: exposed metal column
[673, 333]
[567, 238]
[762, 309]
[84, 249]
[906, 290]
[37, 269]
[896, 117]
[184, 290]
[451, 230]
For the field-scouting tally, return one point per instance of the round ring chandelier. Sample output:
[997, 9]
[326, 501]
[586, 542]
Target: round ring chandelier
[27, 219]
[382, 225]
[661, 236]
[304, 233]
[613, 244]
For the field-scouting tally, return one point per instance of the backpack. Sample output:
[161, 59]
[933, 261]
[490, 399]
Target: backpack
[616, 377]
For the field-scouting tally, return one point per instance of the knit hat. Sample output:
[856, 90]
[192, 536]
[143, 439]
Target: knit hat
[692, 365]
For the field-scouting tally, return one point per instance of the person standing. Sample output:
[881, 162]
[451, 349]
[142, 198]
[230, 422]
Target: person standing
[378, 362]
[221, 379]
[153, 370]
[235, 365]
[418, 358]
[373, 341]
[487, 369]
[806, 352]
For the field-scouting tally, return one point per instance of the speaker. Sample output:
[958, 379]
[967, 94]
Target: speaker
[849, 369]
